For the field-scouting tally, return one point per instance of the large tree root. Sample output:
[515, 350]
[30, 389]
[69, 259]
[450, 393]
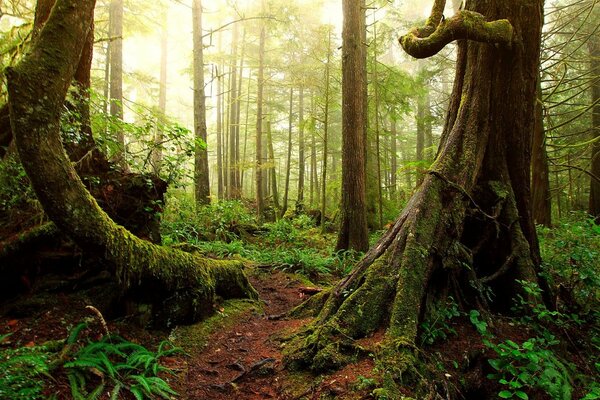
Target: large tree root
[428, 255]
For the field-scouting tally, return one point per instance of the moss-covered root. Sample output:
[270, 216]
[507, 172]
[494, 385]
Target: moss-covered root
[398, 360]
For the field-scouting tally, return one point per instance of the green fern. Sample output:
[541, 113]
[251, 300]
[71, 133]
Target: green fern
[127, 366]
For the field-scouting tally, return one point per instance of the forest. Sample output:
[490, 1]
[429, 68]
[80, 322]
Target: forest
[300, 199]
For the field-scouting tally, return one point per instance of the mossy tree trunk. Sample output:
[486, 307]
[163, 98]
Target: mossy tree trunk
[37, 89]
[468, 227]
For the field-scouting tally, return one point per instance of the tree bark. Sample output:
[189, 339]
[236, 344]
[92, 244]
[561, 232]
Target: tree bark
[469, 225]
[301, 148]
[289, 155]
[162, 94]
[540, 179]
[260, 199]
[394, 162]
[116, 79]
[594, 51]
[201, 181]
[353, 233]
[272, 170]
[233, 191]
[37, 89]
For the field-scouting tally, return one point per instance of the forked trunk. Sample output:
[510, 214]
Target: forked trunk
[468, 227]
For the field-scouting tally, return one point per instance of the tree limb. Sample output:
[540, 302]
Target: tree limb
[428, 40]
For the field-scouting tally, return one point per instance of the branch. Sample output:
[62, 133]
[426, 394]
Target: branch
[423, 42]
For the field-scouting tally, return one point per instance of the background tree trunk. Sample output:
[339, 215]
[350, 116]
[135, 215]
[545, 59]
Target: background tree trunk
[201, 181]
[289, 155]
[540, 184]
[162, 94]
[301, 148]
[594, 50]
[116, 79]
[260, 199]
[353, 233]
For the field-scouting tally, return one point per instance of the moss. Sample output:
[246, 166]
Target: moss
[311, 307]
[193, 338]
[363, 310]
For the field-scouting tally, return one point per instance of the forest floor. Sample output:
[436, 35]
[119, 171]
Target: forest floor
[237, 353]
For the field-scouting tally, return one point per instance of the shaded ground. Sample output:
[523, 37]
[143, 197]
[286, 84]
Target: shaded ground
[237, 353]
[243, 360]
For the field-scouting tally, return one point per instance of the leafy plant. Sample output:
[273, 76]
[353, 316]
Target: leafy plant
[437, 326]
[529, 365]
[20, 371]
[570, 253]
[126, 365]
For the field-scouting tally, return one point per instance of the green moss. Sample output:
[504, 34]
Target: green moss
[193, 338]
[311, 307]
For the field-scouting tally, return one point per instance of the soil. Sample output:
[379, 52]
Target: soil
[240, 359]
[237, 354]
[244, 360]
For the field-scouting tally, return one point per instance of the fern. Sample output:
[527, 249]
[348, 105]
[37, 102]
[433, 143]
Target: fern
[75, 333]
[127, 366]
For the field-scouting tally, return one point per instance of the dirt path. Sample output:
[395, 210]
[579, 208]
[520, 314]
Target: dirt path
[244, 360]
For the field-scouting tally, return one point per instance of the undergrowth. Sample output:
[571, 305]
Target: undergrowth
[110, 366]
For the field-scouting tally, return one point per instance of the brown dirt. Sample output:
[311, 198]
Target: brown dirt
[241, 361]
[244, 361]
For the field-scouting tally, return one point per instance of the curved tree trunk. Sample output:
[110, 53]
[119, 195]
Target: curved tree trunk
[37, 89]
[469, 224]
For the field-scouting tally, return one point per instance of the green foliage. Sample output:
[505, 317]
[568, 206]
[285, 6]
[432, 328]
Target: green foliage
[531, 364]
[363, 383]
[125, 365]
[111, 363]
[437, 326]
[221, 221]
[177, 145]
[223, 218]
[15, 189]
[571, 260]
[535, 313]
[20, 371]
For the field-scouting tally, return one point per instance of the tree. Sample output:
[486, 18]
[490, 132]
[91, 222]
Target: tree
[184, 285]
[540, 180]
[116, 77]
[201, 183]
[162, 94]
[260, 195]
[594, 50]
[353, 233]
[468, 227]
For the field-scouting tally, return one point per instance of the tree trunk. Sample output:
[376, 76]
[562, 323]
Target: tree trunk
[540, 183]
[116, 79]
[260, 199]
[394, 162]
[201, 182]
[353, 232]
[162, 94]
[594, 50]
[220, 190]
[469, 225]
[289, 155]
[301, 160]
[234, 123]
[272, 171]
[185, 285]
